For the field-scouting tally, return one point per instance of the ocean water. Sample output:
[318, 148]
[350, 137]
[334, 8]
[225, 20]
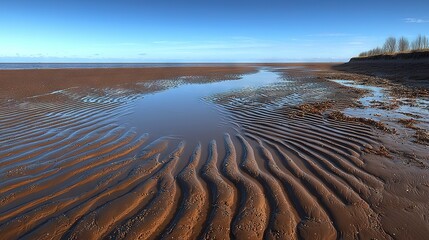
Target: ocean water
[99, 65]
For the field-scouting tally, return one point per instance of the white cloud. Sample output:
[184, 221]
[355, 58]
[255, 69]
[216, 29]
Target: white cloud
[415, 20]
[171, 42]
[329, 35]
[355, 43]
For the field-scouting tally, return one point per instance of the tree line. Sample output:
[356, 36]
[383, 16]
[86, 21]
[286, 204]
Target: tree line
[393, 45]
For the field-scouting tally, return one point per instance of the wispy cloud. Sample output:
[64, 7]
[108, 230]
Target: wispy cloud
[415, 20]
[355, 43]
[166, 42]
[118, 44]
[329, 35]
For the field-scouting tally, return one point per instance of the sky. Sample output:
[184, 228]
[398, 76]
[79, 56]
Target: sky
[203, 30]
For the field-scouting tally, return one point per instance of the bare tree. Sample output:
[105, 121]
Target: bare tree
[421, 42]
[363, 54]
[403, 44]
[375, 51]
[390, 45]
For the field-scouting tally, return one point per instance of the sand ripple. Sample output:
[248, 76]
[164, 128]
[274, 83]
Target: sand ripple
[69, 170]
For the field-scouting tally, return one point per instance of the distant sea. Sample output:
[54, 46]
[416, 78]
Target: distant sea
[98, 65]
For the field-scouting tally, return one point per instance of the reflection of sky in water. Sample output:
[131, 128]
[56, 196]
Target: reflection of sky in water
[375, 93]
[182, 110]
[408, 106]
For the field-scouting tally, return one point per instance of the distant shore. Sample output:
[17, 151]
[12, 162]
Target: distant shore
[104, 65]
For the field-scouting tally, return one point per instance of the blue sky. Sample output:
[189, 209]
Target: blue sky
[202, 31]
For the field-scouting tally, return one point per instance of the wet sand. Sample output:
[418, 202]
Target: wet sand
[30, 82]
[246, 152]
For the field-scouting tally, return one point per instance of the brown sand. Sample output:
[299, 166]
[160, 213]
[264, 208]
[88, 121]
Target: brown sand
[26, 83]
[69, 170]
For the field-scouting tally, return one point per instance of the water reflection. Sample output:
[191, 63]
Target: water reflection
[186, 110]
[380, 105]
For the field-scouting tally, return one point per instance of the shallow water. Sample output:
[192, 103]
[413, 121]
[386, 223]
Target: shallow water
[197, 110]
[188, 110]
[407, 108]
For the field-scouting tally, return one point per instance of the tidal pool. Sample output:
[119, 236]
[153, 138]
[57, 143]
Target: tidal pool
[380, 105]
[187, 110]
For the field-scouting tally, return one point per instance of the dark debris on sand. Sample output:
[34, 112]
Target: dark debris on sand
[339, 116]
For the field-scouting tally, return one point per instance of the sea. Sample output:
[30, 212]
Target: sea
[4, 66]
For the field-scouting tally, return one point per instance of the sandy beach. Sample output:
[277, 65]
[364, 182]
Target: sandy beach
[256, 151]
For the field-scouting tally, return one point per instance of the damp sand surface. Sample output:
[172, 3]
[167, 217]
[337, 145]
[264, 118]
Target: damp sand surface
[245, 152]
